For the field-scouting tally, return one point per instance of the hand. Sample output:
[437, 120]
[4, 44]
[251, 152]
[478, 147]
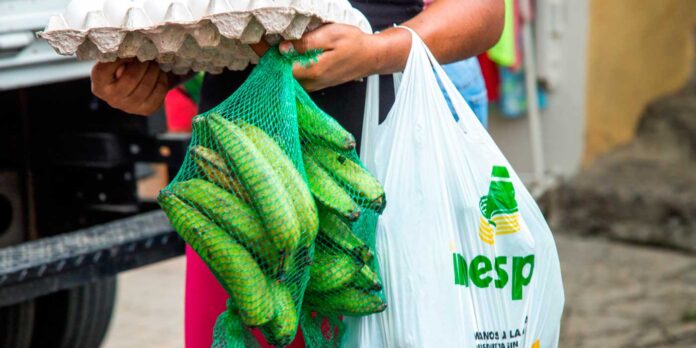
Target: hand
[348, 54]
[130, 85]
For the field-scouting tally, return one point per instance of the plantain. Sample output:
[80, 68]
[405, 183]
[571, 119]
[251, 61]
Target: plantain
[328, 192]
[348, 301]
[330, 271]
[366, 279]
[297, 268]
[216, 171]
[233, 266]
[316, 125]
[337, 232]
[351, 175]
[264, 186]
[201, 133]
[280, 331]
[234, 216]
[294, 183]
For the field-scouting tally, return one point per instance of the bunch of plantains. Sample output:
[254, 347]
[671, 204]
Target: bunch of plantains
[271, 232]
[274, 199]
[342, 276]
[248, 216]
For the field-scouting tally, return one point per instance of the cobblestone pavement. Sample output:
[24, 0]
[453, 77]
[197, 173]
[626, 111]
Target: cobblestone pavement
[617, 295]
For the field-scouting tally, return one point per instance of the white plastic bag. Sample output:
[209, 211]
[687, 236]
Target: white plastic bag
[466, 256]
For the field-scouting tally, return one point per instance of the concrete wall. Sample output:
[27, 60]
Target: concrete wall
[637, 51]
[616, 56]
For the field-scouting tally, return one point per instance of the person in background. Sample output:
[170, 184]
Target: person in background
[467, 77]
[454, 30]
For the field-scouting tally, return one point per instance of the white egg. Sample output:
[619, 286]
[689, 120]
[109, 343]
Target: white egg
[198, 8]
[157, 9]
[76, 12]
[57, 22]
[162, 11]
[116, 11]
[179, 12]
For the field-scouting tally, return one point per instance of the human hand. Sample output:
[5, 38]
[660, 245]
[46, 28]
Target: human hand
[348, 54]
[130, 85]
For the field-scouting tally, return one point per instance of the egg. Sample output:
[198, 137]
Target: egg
[76, 13]
[116, 12]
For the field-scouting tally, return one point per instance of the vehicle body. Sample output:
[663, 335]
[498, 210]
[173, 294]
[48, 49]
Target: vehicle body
[71, 216]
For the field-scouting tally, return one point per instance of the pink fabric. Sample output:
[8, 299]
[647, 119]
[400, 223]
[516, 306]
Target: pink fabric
[205, 300]
[180, 110]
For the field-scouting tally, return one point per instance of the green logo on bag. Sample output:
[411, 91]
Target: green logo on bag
[499, 212]
[499, 216]
[481, 272]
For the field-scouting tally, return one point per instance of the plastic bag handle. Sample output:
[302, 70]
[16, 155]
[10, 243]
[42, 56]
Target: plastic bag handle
[467, 119]
[370, 122]
[468, 122]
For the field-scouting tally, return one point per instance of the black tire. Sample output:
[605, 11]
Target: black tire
[16, 324]
[75, 318]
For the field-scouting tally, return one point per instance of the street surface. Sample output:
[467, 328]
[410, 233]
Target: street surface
[617, 295]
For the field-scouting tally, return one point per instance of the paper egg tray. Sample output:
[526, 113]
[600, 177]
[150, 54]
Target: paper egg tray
[185, 35]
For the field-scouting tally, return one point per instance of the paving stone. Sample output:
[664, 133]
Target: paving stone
[620, 295]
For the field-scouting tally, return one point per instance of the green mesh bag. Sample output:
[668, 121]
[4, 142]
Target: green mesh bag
[344, 277]
[274, 199]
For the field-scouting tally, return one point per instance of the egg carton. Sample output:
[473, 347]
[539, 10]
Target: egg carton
[185, 35]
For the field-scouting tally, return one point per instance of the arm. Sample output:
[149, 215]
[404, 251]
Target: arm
[452, 29]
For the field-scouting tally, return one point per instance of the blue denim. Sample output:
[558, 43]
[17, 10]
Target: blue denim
[468, 79]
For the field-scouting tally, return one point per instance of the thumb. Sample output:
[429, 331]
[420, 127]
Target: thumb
[260, 48]
[106, 73]
[318, 39]
[119, 71]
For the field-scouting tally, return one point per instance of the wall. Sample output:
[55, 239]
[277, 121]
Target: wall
[637, 50]
[564, 120]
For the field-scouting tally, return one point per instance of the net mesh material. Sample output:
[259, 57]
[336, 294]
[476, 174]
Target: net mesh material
[274, 199]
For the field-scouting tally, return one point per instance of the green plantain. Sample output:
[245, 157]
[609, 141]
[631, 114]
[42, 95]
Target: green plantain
[233, 266]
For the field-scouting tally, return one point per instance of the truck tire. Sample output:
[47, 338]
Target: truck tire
[16, 323]
[75, 318]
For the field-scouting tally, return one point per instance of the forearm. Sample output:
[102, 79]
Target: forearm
[452, 29]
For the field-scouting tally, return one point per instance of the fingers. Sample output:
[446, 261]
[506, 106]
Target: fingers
[119, 79]
[103, 73]
[134, 87]
[147, 82]
[119, 72]
[307, 73]
[132, 74]
[321, 38]
[159, 92]
[150, 94]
